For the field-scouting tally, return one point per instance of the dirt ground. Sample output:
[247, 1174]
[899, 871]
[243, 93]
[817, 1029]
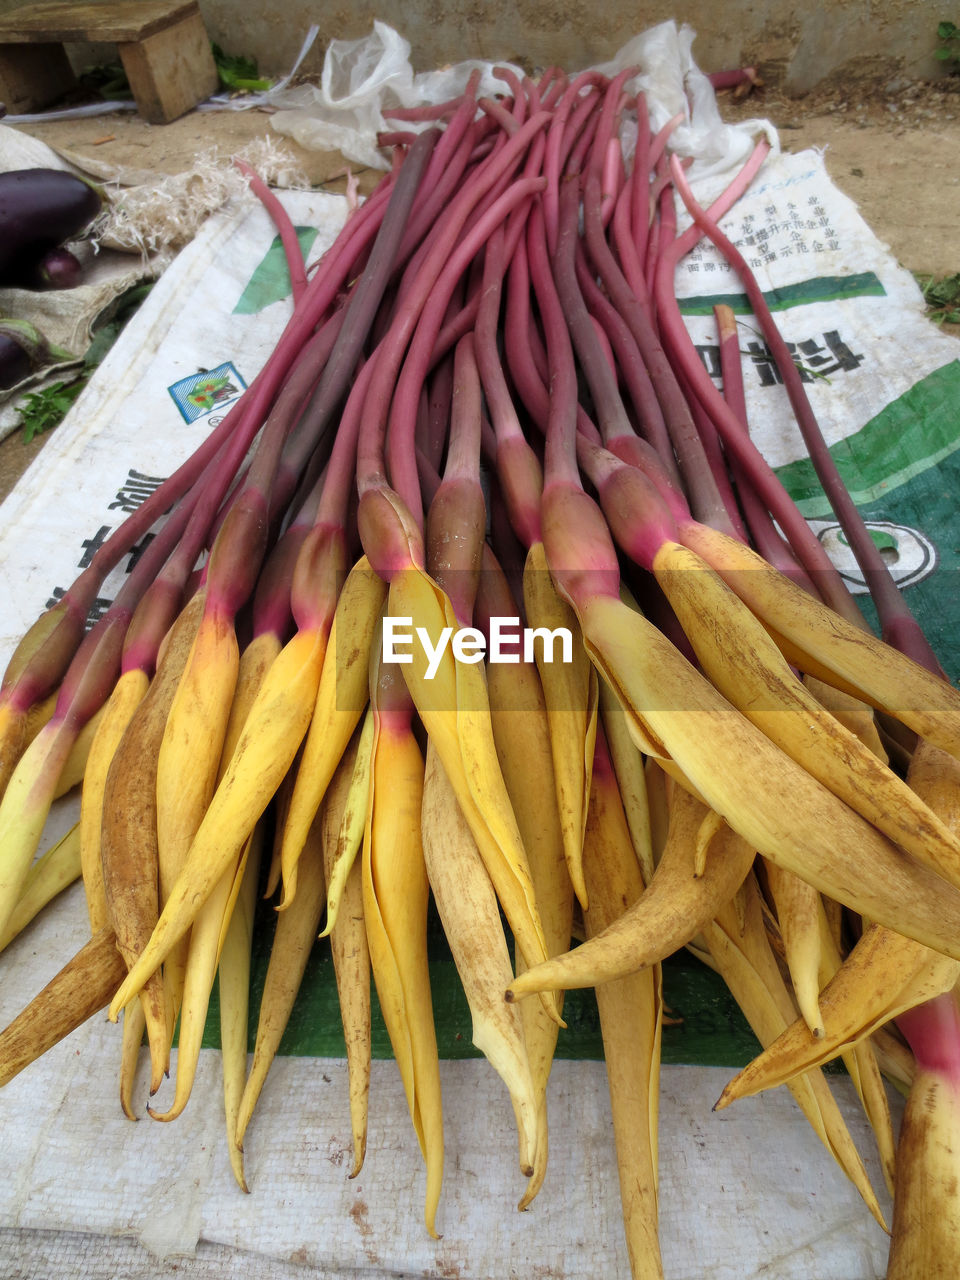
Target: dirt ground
[891, 147]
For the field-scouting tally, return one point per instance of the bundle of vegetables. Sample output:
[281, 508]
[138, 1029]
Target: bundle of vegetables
[484, 407]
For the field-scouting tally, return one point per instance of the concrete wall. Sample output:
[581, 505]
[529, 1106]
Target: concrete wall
[832, 40]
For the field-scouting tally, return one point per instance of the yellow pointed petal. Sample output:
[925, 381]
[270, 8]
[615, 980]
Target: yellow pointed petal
[818, 641]
[522, 736]
[341, 698]
[671, 911]
[770, 800]
[348, 937]
[471, 922]
[292, 943]
[883, 975]
[134, 1024]
[630, 1021]
[199, 974]
[570, 689]
[631, 779]
[798, 913]
[47, 877]
[187, 765]
[128, 837]
[739, 945]
[455, 712]
[189, 755]
[711, 826]
[395, 894]
[128, 693]
[234, 979]
[345, 844]
[743, 662]
[78, 991]
[861, 1063]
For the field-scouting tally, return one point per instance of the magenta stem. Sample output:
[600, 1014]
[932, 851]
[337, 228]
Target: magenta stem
[371, 466]
[633, 370]
[554, 154]
[560, 454]
[705, 499]
[895, 615]
[281, 219]
[402, 422]
[640, 180]
[763, 532]
[611, 415]
[631, 261]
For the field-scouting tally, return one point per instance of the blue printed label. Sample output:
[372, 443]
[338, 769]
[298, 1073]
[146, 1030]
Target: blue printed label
[209, 389]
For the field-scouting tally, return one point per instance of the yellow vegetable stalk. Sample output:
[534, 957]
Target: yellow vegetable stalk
[740, 948]
[347, 801]
[631, 1009]
[234, 978]
[293, 941]
[474, 932]
[213, 918]
[342, 695]
[522, 736]
[48, 876]
[128, 693]
[395, 894]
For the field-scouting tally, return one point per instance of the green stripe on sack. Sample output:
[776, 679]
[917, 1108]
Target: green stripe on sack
[821, 289]
[908, 437]
[270, 279]
[711, 1029]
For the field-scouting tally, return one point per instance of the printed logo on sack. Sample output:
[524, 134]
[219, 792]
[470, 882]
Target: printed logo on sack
[909, 554]
[208, 389]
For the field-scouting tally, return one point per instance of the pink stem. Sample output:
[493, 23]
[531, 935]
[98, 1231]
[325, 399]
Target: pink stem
[286, 229]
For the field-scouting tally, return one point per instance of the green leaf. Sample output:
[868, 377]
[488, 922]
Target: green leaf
[41, 411]
[238, 72]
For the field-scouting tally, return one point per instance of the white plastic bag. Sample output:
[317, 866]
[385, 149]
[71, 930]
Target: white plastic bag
[363, 78]
[360, 78]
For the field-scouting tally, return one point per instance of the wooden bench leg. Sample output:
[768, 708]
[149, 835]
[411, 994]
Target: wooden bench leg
[171, 71]
[33, 75]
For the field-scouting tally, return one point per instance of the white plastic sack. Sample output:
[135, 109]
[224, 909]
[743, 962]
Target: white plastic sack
[363, 78]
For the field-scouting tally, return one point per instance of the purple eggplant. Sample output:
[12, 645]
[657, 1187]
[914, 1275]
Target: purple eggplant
[15, 364]
[57, 269]
[39, 210]
[24, 350]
